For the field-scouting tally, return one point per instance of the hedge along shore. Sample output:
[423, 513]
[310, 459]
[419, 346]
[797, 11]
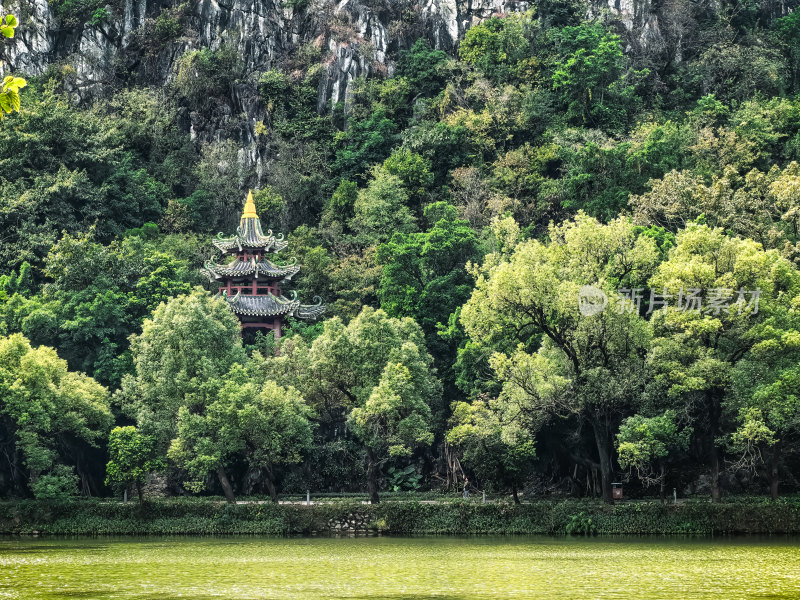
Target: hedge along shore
[551, 517]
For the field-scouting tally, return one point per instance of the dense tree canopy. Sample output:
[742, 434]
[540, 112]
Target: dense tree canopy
[49, 417]
[184, 349]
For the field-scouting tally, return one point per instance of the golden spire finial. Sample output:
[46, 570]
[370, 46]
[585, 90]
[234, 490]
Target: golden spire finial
[249, 207]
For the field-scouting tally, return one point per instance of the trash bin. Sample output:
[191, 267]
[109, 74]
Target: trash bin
[616, 491]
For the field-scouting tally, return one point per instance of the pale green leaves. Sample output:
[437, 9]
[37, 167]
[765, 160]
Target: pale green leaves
[43, 406]
[189, 342]
[263, 422]
[132, 456]
[753, 431]
[642, 440]
[7, 26]
[396, 417]
[9, 90]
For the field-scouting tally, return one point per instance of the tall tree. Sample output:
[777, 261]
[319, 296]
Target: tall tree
[590, 366]
[374, 373]
[646, 443]
[132, 456]
[736, 299]
[424, 276]
[496, 446]
[265, 424]
[190, 342]
[47, 415]
[395, 419]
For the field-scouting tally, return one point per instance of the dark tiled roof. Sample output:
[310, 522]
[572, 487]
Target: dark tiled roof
[272, 306]
[240, 268]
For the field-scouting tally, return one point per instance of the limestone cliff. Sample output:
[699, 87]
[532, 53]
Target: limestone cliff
[140, 41]
[360, 36]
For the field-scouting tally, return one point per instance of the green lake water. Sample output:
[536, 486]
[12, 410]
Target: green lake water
[399, 568]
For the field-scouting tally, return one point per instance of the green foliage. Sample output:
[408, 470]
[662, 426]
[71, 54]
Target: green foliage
[414, 171]
[493, 444]
[420, 267]
[788, 31]
[7, 26]
[423, 276]
[185, 347]
[381, 209]
[66, 169]
[131, 457]
[423, 68]
[499, 48]
[341, 206]
[9, 93]
[155, 34]
[190, 516]
[98, 16]
[389, 199]
[396, 417]
[591, 367]
[263, 423]
[594, 83]
[298, 5]
[21, 283]
[73, 13]
[10, 87]
[292, 105]
[407, 478]
[59, 483]
[364, 143]
[204, 74]
[96, 297]
[373, 374]
[580, 524]
[269, 206]
[642, 441]
[48, 414]
[738, 72]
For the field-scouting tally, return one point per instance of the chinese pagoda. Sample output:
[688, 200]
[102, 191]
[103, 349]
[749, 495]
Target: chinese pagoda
[251, 284]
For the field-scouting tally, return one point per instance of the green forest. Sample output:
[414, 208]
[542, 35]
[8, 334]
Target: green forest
[551, 261]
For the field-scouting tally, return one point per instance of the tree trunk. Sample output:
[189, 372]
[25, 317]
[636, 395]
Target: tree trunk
[12, 458]
[372, 477]
[714, 418]
[774, 479]
[662, 486]
[139, 491]
[514, 493]
[604, 450]
[273, 492]
[716, 494]
[226, 484]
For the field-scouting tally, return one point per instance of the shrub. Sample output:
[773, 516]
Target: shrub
[205, 74]
[580, 524]
[203, 516]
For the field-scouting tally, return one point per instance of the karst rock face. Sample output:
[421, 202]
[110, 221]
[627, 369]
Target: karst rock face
[121, 43]
[360, 35]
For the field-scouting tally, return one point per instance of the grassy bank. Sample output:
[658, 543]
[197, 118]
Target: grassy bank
[204, 516]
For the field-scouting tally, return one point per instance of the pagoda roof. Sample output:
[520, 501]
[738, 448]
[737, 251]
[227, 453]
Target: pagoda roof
[242, 268]
[273, 306]
[249, 233]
